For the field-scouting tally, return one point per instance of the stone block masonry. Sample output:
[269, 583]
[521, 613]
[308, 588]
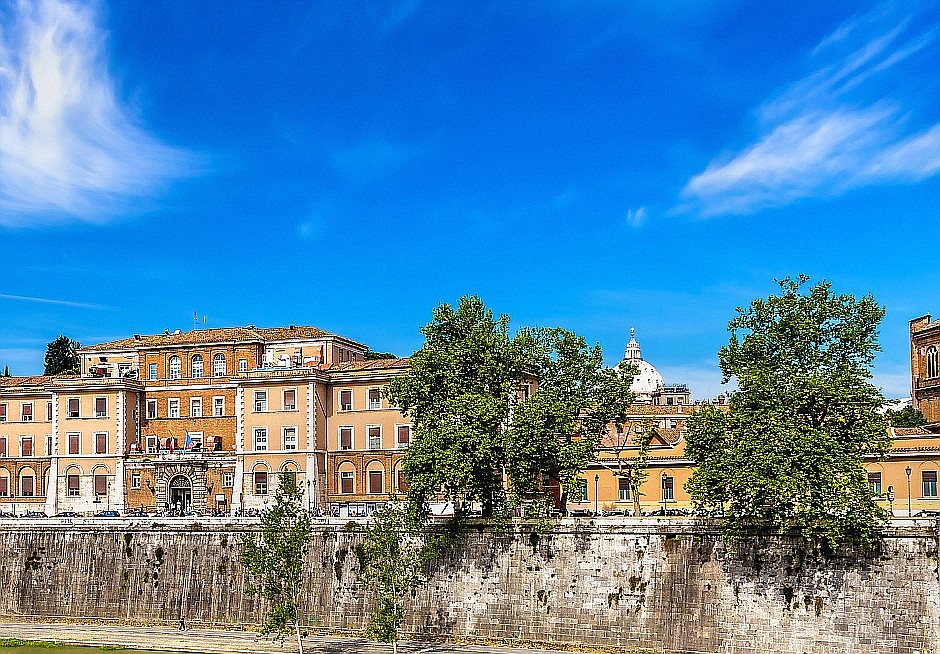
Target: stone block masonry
[666, 587]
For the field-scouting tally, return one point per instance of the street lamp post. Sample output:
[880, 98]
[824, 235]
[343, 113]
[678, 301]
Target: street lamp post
[663, 489]
[891, 500]
[907, 470]
[597, 479]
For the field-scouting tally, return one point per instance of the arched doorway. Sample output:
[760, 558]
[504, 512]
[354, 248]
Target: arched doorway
[181, 493]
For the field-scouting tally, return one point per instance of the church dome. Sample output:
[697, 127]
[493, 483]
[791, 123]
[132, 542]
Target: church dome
[647, 378]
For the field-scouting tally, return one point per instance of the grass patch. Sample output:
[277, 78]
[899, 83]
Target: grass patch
[18, 642]
[112, 648]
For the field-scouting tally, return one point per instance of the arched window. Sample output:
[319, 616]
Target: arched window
[218, 365]
[931, 362]
[176, 367]
[197, 366]
[375, 475]
[347, 478]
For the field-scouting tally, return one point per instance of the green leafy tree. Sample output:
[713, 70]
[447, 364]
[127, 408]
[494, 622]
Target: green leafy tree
[6, 371]
[906, 417]
[375, 356]
[789, 451]
[62, 357]
[392, 566]
[473, 425]
[274, 565]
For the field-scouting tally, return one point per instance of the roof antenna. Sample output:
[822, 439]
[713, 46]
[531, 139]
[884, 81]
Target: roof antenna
[195, 319]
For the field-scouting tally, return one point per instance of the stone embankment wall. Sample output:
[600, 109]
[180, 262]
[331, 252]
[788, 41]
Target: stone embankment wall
[667, 587]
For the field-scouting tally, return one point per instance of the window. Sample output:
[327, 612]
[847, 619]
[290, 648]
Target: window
[375, 437]
[48, 445]
[345, 438]
[243, 365]
[195, 407]
[228, 479]
[196, 366]
[931, 362]
[74, 407]
[49, 411]
[101, 407]
[27, 486]
[375, 481]
[152, 445]
[3, 412]
[4, 487]
[193, 441]
[26, 446]
[375, 398]
[74, 440]
[345, 400]
[101, 485]
[581, 492]
[218, 406]
[151, 409]
[668, 485]
[3, 445]
[623, 489]
[346, 483]
[261, 439]
[101, 443]
[261, 483]
[874, 481]
[135, 480]
[26, 411]
[290, 438]
[218, 365]
[403, 435]
[290, 400]
[153, 371]
[72, 485]
[261, 401]
[929, 478]
[173, 407]
[402, 481]
[176, 367]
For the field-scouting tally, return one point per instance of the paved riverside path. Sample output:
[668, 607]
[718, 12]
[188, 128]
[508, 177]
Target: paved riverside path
[218, 641]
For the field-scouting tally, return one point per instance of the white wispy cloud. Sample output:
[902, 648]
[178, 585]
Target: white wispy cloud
[636, 217]
[849, 123]
[45, 300]
[69, 149]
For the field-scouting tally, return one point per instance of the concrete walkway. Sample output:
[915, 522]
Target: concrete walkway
[217, 641]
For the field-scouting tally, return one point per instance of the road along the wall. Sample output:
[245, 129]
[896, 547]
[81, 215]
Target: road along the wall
[666, 586]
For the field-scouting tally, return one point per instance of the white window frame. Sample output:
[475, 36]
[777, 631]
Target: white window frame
[152, 371]
[284, 433]
[195, 407]
[260, 439]
[95, 436]
[32, 442]
[374, 404]
[260, 399]
[135, 480]
[218, 405]
[339, 399]
[151, 409]
[23, 416]
[369, 443]
[352, 437]
[228, 480]
[68, 408]
[243, 365]
[99, 414]
[173, 407]
[218, 370]
[398, 426]
[175, 367]
[192, 366]
[347, 474]
[194, 438]
[153, 445]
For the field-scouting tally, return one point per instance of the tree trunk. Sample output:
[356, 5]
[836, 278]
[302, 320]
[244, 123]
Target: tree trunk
[300, 644]
[395, 646]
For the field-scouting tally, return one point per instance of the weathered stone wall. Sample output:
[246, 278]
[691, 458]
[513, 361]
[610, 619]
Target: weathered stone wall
[673, 588]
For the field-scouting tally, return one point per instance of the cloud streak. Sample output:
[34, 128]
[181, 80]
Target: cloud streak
[69, 150]
[851, 122]
[43, 300]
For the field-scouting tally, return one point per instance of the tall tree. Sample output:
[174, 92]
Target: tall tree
[906, 417]
[274, 566]
[62, 357]
[789, 451]
[474, 425]
[392, 567]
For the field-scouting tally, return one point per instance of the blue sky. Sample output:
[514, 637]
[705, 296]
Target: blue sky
[595, 165]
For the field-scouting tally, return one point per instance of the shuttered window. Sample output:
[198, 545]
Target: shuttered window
[375, 481]
[73, 485]
[345, 438]
[73, 407]
[101, 485]
[101, 407]
[74, 443]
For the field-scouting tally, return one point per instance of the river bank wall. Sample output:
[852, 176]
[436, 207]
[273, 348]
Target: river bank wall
[667, 586]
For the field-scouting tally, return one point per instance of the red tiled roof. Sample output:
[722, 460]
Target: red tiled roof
[373, 364]
[215, 335]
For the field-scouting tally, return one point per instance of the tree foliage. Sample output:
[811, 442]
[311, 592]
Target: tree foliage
[906, 417]
[789, 451]
[62, 357]
[274, 566]
[474, 426]
[392, 567]
[375, 356]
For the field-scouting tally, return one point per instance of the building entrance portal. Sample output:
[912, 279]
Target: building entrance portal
[181, 494]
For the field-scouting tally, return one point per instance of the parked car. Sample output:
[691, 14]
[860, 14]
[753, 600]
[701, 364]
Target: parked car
[34, 514]
[67, 514]
[108, 514]
[580, 513]
[611, 513]
[137, 513]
